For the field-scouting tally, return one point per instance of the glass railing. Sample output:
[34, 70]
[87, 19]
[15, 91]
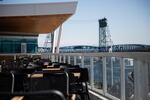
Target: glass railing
[114, 75]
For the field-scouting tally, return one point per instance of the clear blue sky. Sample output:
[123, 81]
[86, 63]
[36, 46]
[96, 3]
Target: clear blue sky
[128, 20]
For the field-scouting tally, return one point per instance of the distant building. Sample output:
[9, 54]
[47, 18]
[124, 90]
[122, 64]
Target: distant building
[18, 44]
[114, 48]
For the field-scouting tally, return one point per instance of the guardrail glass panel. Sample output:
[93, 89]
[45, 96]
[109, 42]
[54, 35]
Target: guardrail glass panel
[87, 65]
[72, 60]
[66, 59]
[129, 78]
[87, 61]
[98, 72]
[113, 76]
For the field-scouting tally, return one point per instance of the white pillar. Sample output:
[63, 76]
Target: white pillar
[15, 57]
[59, 37]
[82, 61]
[68, 59]
[122, 67]
[104, 75]
[140, 80]
[75, 60]
[112, 80]
[92, 72]
[53, 42]
[64, 59]
[56, 58]
[53, 58]
[60, 59]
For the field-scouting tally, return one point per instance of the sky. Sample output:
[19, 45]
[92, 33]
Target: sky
[128, 21]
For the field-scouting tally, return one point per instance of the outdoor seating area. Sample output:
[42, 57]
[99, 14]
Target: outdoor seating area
[28, 78]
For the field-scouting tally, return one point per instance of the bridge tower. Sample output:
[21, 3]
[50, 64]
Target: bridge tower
[104, 35]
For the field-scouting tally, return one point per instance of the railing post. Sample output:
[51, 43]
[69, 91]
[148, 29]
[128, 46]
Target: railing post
[53, 58]
[92, 72]
[82, 61]
[60, 60]
[68, 59]
[64, 59]
[56, 58]
[49, 56]
[75, 60]
[141, 80]
[104, 75]
[112, 66]
[122, 67]
[15, 57]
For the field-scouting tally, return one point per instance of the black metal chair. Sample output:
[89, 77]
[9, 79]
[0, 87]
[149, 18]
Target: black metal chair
[6, 84]
[50, 80]
[35, 95]
[78, 85]
[20, 81]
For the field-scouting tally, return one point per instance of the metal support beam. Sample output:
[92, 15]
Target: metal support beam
[141, 80]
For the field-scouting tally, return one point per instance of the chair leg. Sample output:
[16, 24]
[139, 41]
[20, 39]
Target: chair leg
[87, 92]
[85, 95]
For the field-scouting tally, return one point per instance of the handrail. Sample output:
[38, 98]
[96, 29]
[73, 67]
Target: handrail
[144, 56]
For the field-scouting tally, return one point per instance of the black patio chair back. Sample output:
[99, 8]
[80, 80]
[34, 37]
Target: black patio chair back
[50, 81]
[6, 84]
[79, 86]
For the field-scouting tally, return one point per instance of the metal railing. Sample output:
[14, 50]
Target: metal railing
[110, 73]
